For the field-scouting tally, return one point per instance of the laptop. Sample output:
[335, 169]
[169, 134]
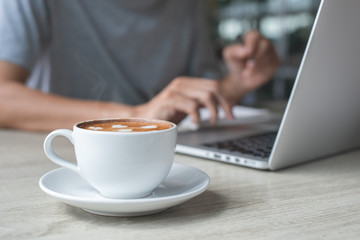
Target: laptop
[322, 116]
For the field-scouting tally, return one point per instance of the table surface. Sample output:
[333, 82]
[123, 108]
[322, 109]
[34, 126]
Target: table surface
[317, 200]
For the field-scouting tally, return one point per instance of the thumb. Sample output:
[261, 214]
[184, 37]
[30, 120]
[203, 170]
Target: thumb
[236, 52]
[235, 57]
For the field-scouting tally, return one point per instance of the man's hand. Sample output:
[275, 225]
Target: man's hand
[185, 96]
[250, 64]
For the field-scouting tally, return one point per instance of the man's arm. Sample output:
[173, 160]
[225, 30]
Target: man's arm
[28, 109]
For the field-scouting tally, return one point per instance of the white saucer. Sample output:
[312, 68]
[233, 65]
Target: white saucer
[182, 184]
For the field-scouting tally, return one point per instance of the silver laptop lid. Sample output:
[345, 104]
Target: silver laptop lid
[323, 113]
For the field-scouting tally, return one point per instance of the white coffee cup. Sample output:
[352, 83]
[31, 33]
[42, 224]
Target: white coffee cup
[119, 164]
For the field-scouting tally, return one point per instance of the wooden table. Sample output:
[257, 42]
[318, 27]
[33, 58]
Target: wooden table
[317, 200]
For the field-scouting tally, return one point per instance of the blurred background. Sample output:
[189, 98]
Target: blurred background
[287, 23]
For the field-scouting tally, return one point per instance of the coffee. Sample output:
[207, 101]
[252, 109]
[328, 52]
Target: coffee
[126, 125]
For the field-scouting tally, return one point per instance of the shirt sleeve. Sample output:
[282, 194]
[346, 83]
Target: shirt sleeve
[23, 31]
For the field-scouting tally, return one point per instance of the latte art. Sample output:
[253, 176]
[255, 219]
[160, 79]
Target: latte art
[126, 125]
[119, 126]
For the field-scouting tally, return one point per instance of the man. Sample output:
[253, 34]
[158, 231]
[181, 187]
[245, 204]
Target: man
[66, 61]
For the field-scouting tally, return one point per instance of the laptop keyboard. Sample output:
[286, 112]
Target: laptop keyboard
[258, 145]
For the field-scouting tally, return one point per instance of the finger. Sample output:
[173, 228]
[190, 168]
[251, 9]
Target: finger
[187, 105]
[235, 52]
[200, 90]
[263, 58]
[206, 92]
[265, 48]
[208, 99]
[178, 117]
[214, 98]
[226, 106]
[251, 41]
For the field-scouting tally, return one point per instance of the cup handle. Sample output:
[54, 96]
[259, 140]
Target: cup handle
[52, 155]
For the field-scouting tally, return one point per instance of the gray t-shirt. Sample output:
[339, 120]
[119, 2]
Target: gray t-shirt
[112, 50]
